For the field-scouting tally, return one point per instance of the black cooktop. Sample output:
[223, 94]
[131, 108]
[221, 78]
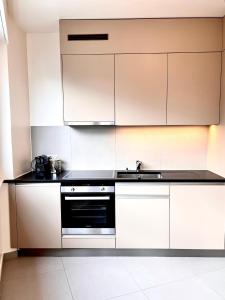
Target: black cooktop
[95, 174]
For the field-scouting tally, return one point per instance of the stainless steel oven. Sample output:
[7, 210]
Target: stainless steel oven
[88, 209]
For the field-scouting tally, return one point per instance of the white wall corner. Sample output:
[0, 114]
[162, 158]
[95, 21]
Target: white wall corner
[3, 24]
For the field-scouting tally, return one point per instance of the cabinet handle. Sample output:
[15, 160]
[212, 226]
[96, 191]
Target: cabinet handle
[83, 198]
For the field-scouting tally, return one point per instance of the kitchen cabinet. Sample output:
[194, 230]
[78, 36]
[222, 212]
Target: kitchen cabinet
[141, 35]
[88, 87]
[193, 88]
[142, 215]
[45, 80]
[140, 89]
[197, 216]
[38, 215]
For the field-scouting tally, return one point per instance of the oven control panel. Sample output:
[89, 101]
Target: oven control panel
[87, 189]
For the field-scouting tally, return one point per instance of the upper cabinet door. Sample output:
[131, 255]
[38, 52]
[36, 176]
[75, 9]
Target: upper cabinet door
[88, 86]
[193, 88]
[140, 89]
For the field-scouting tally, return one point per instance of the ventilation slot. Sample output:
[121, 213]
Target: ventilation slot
[88, 37]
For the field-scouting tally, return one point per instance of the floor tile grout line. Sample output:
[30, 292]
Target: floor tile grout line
[193, 276]
[212, 289]
[127, 294]
[67, 278]
[183, 279]
[131, 275]
[158, 284]
[136, 291]
[169, 282]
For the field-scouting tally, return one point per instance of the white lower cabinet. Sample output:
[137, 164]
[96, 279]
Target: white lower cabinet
[197, 216]
[142, 215]
[38, 215]
[148, 216]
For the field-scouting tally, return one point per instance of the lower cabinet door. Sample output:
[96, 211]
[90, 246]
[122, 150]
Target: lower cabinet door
[197, 216]
[38, 215]
[142, 222]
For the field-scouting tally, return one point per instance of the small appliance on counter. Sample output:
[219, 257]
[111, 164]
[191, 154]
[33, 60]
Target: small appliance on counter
[56, 164]
[46, 165]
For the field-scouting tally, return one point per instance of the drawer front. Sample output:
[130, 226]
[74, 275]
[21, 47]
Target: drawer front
[88, 242]
[142, 189]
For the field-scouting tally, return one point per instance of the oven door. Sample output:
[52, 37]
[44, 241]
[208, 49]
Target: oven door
[88, 213]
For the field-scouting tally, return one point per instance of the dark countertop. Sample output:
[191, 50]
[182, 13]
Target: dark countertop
[110, 175]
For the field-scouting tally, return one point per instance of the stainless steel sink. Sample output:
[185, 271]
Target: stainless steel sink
[139, 175]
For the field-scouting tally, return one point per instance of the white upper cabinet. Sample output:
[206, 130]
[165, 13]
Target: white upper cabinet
[197, 216]
[193, 88]
[88, 87]
[45, 80]
[140, 89]
[149, 71]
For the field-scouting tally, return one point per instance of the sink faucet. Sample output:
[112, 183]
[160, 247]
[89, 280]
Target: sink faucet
[138, 165]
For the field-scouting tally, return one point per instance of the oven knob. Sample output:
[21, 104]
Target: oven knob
[73, 189]
[102, 189]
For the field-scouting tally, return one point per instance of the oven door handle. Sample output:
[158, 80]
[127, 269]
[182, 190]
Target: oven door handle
[84, 198]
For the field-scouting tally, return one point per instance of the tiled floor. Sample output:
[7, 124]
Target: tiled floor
[121, 278]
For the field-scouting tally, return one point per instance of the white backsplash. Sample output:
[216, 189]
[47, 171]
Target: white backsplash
[104, 148]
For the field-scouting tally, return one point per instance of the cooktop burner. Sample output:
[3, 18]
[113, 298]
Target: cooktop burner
[100, 174]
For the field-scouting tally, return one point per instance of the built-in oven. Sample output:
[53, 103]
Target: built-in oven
[88, 209]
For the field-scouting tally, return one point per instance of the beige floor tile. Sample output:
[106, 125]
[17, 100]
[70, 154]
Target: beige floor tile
[151, 271]
[189, 289]
[201, 265]
[48, 286]
[215, 280]
[27, 266]
[100, 281]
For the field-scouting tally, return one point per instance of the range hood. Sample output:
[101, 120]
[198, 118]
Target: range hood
[89, 123]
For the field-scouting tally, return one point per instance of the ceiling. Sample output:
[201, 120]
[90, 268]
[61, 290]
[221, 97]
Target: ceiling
[43, 16]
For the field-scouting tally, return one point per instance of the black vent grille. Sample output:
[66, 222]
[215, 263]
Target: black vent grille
[88, 37]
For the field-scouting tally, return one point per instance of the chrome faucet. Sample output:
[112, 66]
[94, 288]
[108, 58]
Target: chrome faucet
[138, 165]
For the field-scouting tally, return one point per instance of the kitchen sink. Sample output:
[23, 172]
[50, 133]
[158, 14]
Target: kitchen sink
[139, 175]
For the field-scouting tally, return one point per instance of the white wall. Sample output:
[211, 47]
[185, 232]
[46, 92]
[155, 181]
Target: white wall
[172, 147]
[3, 26]
[117, 148]
[45, 86]
[6, 162]
[15, 143]
[19, 102]
[216, 143]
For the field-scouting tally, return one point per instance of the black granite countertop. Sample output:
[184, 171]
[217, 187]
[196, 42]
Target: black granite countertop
[111, 175]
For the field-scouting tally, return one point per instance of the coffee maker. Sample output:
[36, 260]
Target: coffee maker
[41, 165]
[44, 165]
